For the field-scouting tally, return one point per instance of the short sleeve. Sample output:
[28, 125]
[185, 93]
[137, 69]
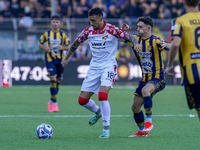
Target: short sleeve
[43, 38]
[176, 29]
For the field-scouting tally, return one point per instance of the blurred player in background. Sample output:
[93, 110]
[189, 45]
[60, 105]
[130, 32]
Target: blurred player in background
[53, 42]
[185, 36]
[153, 75]
[123, 54]
[103, 41]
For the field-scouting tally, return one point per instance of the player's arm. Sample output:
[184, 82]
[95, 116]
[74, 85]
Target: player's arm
[44, 48]
[164, 44]
[131, 38]
[66, 48]
[73, 47]
[173, 52]
[43, 38]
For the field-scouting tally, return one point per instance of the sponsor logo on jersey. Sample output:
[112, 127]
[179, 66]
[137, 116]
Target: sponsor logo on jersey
[147, 64]
[174, 27]
[55, 41]
[195, 56]
[145, 54]
[98, 44]
[105, 37]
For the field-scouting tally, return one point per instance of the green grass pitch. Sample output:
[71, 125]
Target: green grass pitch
[23, 108]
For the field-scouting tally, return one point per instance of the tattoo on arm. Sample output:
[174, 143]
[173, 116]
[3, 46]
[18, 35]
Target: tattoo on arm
[131, 38]
[74, 45]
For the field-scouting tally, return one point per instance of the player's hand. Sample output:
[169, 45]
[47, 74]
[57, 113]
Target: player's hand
[64, 63]
[163, 43]
[125, 27]
[137, 47]
[168, 70]
[60, 47]
[48, 49]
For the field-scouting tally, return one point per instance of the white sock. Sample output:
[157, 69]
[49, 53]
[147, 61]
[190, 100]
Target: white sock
[105, 112]
[149, 120]
[91, 106]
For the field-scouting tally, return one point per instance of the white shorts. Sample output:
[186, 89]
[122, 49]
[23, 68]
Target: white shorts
[97, 78]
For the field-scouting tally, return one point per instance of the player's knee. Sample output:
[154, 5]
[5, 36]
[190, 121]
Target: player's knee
[53, 79]
[135, 108]
[103, 96]
[82, 101]
[145, 92]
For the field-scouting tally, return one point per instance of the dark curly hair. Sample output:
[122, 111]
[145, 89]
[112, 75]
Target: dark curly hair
[146, 19]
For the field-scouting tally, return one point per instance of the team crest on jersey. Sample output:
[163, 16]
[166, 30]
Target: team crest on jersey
[149, 48]
[105, 37]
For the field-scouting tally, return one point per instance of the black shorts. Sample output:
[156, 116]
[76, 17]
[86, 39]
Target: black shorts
[193, 95]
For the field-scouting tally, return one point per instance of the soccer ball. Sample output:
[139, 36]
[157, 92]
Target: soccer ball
[44, 131]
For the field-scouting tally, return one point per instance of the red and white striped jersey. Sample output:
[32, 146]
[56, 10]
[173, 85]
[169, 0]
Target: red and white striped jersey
[103, 44]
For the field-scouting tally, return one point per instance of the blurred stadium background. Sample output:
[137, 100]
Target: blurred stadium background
[23, 21]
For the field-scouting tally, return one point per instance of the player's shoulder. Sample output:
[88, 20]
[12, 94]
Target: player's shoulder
[89, 28]
[63, 32]
[111, 26]
[48, 30]
[155, 37]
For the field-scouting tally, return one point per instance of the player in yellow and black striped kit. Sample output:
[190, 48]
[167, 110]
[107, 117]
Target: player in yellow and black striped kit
[153, 75]
[186, 41]
[54, 42]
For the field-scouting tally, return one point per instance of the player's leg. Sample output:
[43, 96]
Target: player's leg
[147, 91]
[105, 110]
[53, 84]
[198, 113]
[107, 80]
[91, 85]
[150, 89]
[59, 71]
[59, 78]
[192, 94]
[85, 101]
[138, 115]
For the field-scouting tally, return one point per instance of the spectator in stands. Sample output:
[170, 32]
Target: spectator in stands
[22, 5]
[112, 12]
[176, 8]
[123, 54]
[132, 9]
[66, 8]
[154, 9]
[6, 11]
[84, 7]
[14, 7]
[39, 11]
[79, 13]
[146, 9]
[47, 9]
[33, 11]
[102, 6]
[26, 21]
[164, 12]
[80, 54]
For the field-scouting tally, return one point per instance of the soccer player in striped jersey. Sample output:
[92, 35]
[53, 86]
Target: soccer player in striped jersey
[185, 40]
[153, 74]
[54, 42]
[103, 41]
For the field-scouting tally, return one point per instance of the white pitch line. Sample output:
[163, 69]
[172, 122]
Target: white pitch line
[85, 116]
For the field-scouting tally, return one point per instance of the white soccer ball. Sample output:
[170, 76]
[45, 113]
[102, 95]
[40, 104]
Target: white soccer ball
[44, 131]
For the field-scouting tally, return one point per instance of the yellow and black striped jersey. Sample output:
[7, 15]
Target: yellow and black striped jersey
[149, 58]
[53, 39]
[187, 28]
